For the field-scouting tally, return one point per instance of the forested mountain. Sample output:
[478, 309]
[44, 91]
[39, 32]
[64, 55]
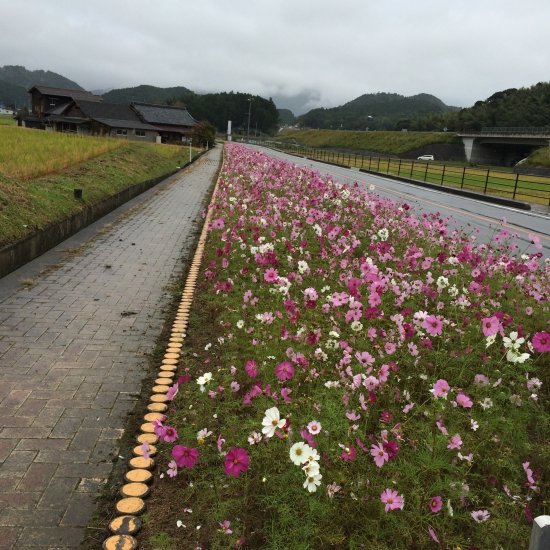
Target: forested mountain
[18, 75]
[145, 94]
[221, 107]
[286, 117]
[13, 96]
[512, 107]
[380, 111]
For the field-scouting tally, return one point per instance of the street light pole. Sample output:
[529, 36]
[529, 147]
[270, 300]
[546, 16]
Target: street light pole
[248, 131]
[190, 142]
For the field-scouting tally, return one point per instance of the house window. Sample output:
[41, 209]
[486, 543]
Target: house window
[53, 101]
[140, 133]
[121, 132]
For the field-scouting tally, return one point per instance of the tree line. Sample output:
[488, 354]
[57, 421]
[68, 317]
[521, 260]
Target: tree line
[509, 108]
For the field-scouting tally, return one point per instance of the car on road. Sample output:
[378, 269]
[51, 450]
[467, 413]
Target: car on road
[426, 157]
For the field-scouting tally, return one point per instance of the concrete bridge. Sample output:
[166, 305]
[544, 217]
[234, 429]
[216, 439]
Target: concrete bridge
[503, 146]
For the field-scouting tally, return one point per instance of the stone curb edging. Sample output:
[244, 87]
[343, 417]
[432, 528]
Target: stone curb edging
[17, 254]
[494, 199]
[139, 477]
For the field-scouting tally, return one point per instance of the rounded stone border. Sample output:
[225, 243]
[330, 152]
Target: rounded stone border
[129, 507]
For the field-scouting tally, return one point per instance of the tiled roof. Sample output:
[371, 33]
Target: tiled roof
[164, 114]
[63, 92]
[111, 111]
[113, 123]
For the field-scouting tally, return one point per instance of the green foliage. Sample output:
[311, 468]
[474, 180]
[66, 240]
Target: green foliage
[509, 108]
[12, 95]
[219, 108]
[539, 158]
[379, 111]
[145, 94]
[204, 134]
[162, 540]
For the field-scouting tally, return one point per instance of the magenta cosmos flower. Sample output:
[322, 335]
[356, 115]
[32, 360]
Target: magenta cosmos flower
[349, 453]
[541, 341]
[440, 388]
[271, 275]
[236, 461]
[169, 434]
[391, 499]
[185, 456]
[251, 369]
[435, 504]
[285, 370]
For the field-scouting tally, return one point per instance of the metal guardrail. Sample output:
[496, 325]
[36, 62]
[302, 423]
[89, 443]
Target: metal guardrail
[534, 189]
[516, 130]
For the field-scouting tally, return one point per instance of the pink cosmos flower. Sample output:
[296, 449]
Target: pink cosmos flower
[389, 347]
[433, 325]
[251, 369]
[172, 391]
[379, 454]
[145, 448]
[432, 534]
[172, 468]
[365, 358]
[385, 416]
[440, 389]
[225, 527]
[284, 394]
[285, 370]
[169, 434]
[235, 386]
[535, 240]
[413, 349]
[185, 456]
[455, 442]
[314, 427]
[218, 224]
[408, 408]
[435, 504]
[236, 461]
[463, 400]
[221, 441]
[490, 325]
[271, 275]
[541, 341]
[391, 499]
[481, 380]
[481, 515]
[349, 453]
[353, 416]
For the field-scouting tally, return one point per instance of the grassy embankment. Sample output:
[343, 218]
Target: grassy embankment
[391, 143]
[39, 171]
[539, 158]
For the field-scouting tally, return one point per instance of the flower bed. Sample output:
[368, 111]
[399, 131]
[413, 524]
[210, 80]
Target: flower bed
[372, 378]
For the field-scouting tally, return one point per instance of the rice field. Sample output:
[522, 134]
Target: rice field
[26, 154]
[533, 189]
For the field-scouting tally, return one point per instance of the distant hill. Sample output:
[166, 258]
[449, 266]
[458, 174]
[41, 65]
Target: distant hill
[380, 111]
[509, 108]
[145, 94]
[286, 117]
[18, 75]
[13, 96]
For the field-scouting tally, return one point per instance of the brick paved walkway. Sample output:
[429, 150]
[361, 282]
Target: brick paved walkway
[72, 358]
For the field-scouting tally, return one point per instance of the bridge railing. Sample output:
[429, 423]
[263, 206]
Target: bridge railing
[516, 130]
[534, 189]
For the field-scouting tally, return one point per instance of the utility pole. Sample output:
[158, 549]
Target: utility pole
[248, 131]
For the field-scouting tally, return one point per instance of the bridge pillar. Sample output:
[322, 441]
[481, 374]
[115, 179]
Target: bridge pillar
[468, 147]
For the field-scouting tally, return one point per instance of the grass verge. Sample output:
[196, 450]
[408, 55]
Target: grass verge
[391, 143]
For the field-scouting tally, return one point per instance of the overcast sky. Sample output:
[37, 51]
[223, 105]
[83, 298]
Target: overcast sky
[312, 52]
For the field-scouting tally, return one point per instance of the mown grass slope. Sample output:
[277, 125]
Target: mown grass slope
[539, 158]
[26, 206]
[391, 143]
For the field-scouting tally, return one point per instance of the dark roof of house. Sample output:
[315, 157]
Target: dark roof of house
[59, 109]
[113, 123]
[111, 111]
[175, 129]
[64, 92]
[164, 114]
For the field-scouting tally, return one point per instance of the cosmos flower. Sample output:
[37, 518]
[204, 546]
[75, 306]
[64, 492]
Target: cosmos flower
[392, 500]
[236, 461]
[272, 421]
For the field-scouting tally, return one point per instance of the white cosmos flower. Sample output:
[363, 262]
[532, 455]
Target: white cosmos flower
[490, 340]
[313, 455]
[311, 468]
[299, 452]
[515, 357]
[312, 482]
[272, 421]
[487, 403]
[302, 266]
[356, 326]
[240, 324]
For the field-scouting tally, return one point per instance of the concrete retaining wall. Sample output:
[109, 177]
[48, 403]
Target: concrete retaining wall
[17, 254]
